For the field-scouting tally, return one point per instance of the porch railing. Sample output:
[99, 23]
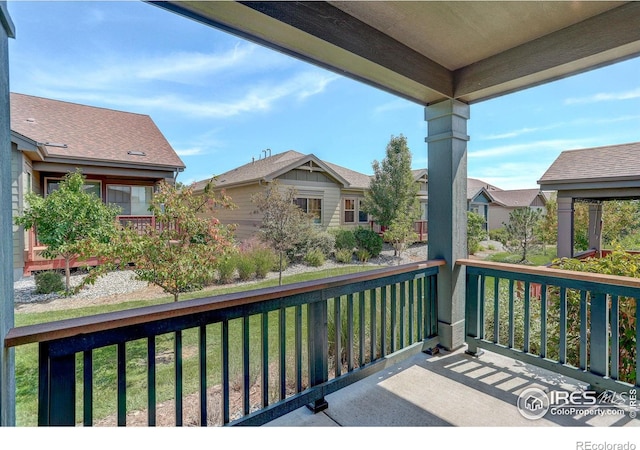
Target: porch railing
[285, 346]
[581, 325]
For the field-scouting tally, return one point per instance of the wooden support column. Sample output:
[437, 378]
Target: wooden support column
[447, 211]
[7, 364]
[595, 226]
[565, 227]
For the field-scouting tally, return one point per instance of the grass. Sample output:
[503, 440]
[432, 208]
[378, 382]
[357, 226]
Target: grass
[533, 259]
[104, 359]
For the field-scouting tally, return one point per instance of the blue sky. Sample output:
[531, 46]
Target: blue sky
[220, 100]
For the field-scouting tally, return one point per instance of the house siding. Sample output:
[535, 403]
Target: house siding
[245, 215]
[16, 209]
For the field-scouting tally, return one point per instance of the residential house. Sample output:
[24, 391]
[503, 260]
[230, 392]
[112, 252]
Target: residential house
[122, 154]
[479, 197]
[332, 193]
[505, 202]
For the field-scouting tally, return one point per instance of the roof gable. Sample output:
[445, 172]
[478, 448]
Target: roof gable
[517, 197]
[71, 131]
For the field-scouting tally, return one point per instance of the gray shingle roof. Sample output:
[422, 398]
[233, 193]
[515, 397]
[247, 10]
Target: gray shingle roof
[598, 163]
[91, 133]
[272, 166]
[474, 186]
[516, 197]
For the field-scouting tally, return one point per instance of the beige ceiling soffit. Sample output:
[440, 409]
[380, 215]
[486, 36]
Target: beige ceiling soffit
[601, 40]
[423, 81]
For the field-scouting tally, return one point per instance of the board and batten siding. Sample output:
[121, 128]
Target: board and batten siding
[16, 210]
[245, 214]
[328, 192]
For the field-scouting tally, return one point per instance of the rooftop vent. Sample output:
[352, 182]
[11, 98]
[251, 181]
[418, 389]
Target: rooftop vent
[55, 144]
[136, 153]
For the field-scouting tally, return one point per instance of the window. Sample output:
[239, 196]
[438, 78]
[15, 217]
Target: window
[133, 200]
[92, 187]
[352, 209]
[312, 206]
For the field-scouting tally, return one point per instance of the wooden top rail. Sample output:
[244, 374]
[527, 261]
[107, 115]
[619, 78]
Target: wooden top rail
[100, 322]
[544, 271]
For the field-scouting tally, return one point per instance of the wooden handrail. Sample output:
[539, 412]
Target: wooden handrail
[614, 280]
[108, 321]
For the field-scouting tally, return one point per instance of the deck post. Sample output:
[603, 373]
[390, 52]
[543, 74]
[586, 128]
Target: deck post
[565, 227]
[318, 348]
[447, 211]
[7, 363]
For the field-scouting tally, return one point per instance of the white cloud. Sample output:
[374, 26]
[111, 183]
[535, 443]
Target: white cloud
[392, 106]
[190, 151]
[603, 97]
[537, 146]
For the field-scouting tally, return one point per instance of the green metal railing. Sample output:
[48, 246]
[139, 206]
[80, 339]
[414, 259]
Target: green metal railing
[577, 324]
[273, 350]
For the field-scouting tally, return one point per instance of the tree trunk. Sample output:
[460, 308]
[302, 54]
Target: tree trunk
[67, 273]
[280, 272]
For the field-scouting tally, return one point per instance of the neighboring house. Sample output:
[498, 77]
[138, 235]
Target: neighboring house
[123, 156]
[504, 202]
[479, 197]
[332, 193]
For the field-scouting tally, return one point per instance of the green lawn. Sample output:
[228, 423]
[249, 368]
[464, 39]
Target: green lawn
[534, 259]
[105, 362]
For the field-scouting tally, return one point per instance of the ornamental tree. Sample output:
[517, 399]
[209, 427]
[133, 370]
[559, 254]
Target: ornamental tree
[284, 225]
[181, 252]
[393, 191]
[70, 221]
[522, 231]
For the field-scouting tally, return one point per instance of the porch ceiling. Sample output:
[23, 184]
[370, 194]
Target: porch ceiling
[428, 51]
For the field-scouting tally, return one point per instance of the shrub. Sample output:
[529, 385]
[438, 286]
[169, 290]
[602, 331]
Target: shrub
[363, 255]
[265, 259]
[48, 282]
[499, 234]
[368, 240]
[246, 266]
[226, 269]
[314, 257]
[344, 255]
[344, 239]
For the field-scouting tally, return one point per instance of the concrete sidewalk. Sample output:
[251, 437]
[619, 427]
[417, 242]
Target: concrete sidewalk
[447, 389]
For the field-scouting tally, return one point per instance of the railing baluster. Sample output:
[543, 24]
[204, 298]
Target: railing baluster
[412, 338]
[420, 330]
[583, 330]
[472, 313]
[246, 373]
[496, 310]
[383, 320]
[178, 376]
[599, 350]
[512, 334]
[87, 382]
[202, 360]
[562, 351]
[122, 384]
[350, 332]
[527, 318]
[61, 390]
[394, 294]
[282, 329]
[433, 305]
[298, 348]
[481, 299]
[403, 312]
[337, 320]
[265, 360]
[373, 323]
[615, 336]
[151, 381]
[543, 321]
[225, 371]
[318, 361]
[361, 331]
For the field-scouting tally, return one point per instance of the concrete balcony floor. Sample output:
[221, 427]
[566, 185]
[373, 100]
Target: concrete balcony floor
[447, 389]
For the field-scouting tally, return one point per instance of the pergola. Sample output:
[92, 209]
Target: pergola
[443, 55]
[591, 175]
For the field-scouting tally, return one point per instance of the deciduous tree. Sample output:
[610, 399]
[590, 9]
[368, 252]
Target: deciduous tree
[69, 221]
[180, 253]
[521, 231]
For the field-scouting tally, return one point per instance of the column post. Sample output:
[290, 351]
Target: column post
[7, 362]
[447, 211]
[565, 227]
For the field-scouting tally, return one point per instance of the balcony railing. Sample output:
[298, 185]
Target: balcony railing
[292, 345]
[581, 325]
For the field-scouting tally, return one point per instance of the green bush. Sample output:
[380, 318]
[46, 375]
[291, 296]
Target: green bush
[48, 282]
[368, 240]
[363, 255]
[226, 269]
[344, 239]
[499, 234]
[344, 255]
[265, 259]
[246, 266]
[314, 258]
